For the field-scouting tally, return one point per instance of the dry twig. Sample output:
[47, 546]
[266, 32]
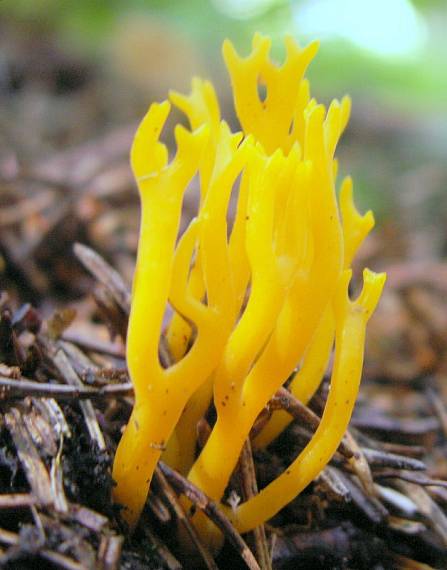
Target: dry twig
[11, 389]
[181, 516]
[210, 508]
[250, 489]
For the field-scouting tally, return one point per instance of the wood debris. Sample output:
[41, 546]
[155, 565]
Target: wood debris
[65, 396]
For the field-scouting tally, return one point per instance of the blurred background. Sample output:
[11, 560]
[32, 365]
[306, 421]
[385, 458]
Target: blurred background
[76, 76]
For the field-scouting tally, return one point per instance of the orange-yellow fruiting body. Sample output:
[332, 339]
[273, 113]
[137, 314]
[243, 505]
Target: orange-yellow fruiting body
[250, 304]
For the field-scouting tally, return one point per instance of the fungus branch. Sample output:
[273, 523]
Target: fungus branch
[249, 305]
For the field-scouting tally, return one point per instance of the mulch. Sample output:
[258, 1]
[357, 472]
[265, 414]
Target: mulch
[68, 235]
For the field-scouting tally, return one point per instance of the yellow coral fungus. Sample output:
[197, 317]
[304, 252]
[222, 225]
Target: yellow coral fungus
[250, 304]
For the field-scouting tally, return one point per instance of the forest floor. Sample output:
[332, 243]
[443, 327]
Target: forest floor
[68, 236]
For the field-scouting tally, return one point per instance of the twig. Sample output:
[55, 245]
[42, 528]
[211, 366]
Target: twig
[165, 554]
[378, 458]
[439, 407]
[250, 489]
[402, 428]
[434, 515]
[415, 451]
[404, 563]
[68, 373]
[13, 539]
[158, 508]
[105, 274]
[16, 501]
[82, 364]
[111, 313]
[181, 515]
[370, 506]
[399, 502]
[331, 484]
[35, 470]
[284, 400]
[17, 389]
[109, 552]
[57, 480]
[411, 477]
[360, 464]
[68, 534]
[211, 509]
[94, 345]
[90, 519]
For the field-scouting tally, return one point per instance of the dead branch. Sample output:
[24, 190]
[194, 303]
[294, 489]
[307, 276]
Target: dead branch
[211, 509]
